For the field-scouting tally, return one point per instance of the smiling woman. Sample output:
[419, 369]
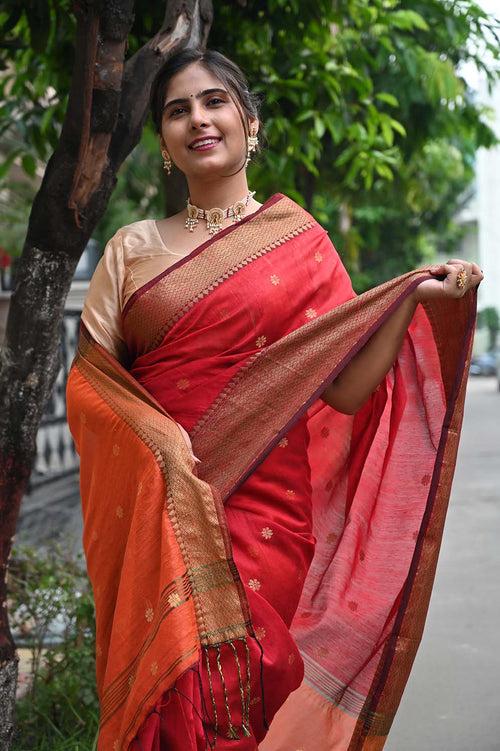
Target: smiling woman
[266, 458]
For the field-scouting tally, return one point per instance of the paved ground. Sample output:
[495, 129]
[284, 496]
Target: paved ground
[452, 701]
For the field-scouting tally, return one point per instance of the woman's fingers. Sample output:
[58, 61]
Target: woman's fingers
[437, 269]
[477, 275]
[453, 285]
[452, 268]
[455, 278]
[474, 273]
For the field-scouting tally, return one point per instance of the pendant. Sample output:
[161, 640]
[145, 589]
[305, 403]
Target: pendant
[192, 217]
[238, 211]
[214, 218]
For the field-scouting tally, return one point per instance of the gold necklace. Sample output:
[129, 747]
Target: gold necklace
[214, 217]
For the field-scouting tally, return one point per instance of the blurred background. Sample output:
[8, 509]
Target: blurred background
[382, 118]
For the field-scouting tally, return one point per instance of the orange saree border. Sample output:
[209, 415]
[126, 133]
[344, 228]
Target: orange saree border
[170, 589]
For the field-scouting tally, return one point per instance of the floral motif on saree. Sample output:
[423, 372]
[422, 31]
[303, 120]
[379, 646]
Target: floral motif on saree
[342, 514]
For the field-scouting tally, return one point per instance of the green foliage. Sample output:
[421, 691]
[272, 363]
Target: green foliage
[370, 123]
[36, 61]
[490, 319]
[52, 612]
[15, 207]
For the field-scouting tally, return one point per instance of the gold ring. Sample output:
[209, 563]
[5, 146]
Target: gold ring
[462, 279]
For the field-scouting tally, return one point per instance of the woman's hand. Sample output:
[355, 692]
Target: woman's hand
[470, 276]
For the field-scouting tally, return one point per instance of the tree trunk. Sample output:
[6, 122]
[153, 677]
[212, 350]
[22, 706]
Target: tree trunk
[107, 108]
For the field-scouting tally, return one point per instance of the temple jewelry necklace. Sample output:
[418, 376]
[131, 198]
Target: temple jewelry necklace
[214, 217]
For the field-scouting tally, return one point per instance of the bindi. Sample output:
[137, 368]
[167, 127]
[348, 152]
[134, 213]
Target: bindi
[199, 95]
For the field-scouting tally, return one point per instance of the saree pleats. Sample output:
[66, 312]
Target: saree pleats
[304, 543]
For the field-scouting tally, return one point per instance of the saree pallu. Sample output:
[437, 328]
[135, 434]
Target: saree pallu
[285, 576]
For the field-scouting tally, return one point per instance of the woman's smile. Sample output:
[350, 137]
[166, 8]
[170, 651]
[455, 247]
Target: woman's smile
[204, 144]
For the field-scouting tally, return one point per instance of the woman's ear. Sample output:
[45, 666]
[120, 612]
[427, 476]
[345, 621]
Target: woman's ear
[253, 125]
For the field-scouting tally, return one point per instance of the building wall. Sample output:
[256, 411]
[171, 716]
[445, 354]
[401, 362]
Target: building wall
[488, 209]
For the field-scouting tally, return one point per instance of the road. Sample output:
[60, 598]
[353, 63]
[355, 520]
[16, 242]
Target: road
[452, 700]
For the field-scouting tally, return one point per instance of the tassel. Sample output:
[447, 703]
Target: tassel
[211, 688]
[244, 721]
[249, 684]
[232, 733]
[264, 718]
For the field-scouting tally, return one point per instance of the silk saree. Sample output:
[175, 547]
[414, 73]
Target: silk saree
[261, 563]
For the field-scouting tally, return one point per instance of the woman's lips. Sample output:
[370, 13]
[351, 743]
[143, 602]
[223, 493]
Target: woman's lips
[205, 147]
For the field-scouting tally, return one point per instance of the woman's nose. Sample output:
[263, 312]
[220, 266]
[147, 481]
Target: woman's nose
[198, 115]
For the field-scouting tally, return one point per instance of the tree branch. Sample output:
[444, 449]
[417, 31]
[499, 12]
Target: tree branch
[186, 24]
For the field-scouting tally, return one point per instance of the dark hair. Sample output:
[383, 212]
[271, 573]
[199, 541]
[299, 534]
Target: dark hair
[218, 64]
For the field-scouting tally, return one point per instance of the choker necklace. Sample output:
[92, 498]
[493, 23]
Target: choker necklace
[214, 217]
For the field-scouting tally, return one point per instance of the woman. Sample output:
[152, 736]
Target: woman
[265, 457]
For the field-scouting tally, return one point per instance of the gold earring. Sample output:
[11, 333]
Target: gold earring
[167, 162]
[252, 142]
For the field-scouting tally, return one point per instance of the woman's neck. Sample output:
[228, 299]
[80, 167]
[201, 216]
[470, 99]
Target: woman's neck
[220, 193]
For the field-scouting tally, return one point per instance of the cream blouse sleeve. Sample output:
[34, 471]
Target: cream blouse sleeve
[103, 305]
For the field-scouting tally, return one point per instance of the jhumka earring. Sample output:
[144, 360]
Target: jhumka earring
[167, 162]
[252, 142]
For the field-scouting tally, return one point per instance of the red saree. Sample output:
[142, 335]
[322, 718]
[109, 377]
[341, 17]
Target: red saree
[286, 577]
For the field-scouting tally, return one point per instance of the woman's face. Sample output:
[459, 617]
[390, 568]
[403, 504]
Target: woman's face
[206, 109]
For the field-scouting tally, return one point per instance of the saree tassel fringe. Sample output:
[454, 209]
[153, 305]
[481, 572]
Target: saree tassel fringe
[233, 730]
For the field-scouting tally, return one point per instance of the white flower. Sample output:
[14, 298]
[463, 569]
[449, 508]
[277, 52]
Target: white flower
[254, 584]
[267, 533]
[174, 600]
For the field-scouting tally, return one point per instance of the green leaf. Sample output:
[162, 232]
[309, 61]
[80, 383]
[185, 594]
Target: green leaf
[7, 164]
[335, 126]
[390, 99]
[384, 171]
[408, 20]
[305, 116]
[29, 164]
[387, 132]
[319, 127]
[399, 127]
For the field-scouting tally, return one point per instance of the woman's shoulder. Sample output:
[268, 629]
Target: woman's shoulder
[137, 229]
[135, 237]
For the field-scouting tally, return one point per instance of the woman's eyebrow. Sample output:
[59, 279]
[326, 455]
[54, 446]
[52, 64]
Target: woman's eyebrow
[198, 96]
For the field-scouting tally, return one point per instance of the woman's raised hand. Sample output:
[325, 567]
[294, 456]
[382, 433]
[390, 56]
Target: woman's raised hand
[459, 277]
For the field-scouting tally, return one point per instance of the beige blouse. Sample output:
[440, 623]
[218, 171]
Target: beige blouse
[133, 256]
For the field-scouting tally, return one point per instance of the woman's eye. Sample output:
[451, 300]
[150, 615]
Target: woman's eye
[213, 100]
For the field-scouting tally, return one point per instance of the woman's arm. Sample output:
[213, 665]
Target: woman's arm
[368, 368]
[350, 390]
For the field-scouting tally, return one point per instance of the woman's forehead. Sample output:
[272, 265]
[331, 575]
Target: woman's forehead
[191, 81]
